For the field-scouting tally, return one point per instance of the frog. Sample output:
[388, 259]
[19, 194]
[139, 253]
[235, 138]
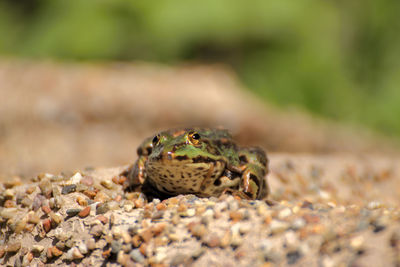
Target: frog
[205, 162]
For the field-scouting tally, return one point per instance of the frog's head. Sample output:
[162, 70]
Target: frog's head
[180, 160]
[183, 146]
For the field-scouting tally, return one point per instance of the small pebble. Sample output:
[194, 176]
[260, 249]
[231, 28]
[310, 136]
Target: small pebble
[37, 249]
[107, 184]
[72, 212]
[76, 178]
[83, 248]
[33, 217]
[46, 188]
[68, 189]
[278, 226]
[96, 230]
[13, 247]
[102, 208]
[46, 225]
[55, 252]
[293, 256]
[85, 212]
[74, 254]
[91, 244]
[136, 256]
[103, 219]
[115, 246]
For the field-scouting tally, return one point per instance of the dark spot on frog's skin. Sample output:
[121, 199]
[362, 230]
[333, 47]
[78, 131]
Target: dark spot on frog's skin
[243, 159]
[203, 187]
[165, 176]
[200, 159]
[254, 178]
[184, 157]
[217, 182]
[200, 168]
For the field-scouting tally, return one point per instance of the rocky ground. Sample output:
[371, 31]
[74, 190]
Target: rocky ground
[334, 193]
[323, 211]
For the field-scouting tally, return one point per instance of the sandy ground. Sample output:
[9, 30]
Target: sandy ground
[325, 211]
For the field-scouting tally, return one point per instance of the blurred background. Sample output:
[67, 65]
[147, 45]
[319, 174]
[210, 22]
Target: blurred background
[82, 82]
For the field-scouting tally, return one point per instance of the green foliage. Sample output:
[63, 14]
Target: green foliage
[335, 58]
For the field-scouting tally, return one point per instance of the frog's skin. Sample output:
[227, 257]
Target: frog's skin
[204, 162]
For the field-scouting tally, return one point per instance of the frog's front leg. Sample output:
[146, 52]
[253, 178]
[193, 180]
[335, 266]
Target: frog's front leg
[136, 175]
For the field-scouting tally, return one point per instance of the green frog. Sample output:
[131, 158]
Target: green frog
[204, 162]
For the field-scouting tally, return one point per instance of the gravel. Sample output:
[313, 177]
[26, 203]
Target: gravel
[354, 221]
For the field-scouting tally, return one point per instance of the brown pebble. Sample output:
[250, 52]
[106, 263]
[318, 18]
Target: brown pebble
[182, 207]
[106, 253]
[311, 218]
[139, 203]
[103, 219]
[161, 206]
[213, 242]
[235, 216]
[147, 235]
[9, 203]
[55, 218]
[33, 218]
[122, 180]
[158, 228]
[13, 247]
[101, 197]
[143, 248]
[198, 230]
[29, 257]
[85, 212]
[46, 209]
[30, 190]
[90, 193]
[46, 225]
[136, 241]
[21, 225]
[118, 198]
[81, 201]
[49, 255]
[115, 179]
[56, 252]
[29, 228]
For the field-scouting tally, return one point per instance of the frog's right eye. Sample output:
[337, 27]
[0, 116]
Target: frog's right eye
[156, 139]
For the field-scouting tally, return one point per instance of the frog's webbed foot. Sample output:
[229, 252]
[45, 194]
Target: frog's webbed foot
[253, 183]
[236, 193]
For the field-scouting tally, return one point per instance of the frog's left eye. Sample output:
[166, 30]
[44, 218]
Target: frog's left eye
[194, 138]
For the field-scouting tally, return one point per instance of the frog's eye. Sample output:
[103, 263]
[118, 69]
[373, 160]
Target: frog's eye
[194, 138]
[156, 139]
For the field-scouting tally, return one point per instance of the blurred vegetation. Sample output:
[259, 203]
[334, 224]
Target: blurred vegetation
[339, 59]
